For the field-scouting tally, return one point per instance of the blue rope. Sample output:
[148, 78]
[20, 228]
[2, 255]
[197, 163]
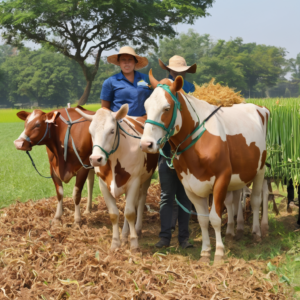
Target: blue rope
[189, 212]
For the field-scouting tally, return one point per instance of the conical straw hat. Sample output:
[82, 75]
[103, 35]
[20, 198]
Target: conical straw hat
[142, 61]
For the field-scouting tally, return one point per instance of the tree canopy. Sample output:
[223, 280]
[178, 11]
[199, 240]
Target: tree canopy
[82, 29]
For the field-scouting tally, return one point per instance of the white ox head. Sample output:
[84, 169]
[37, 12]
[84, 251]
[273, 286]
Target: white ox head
[103, 130]
[159, 108]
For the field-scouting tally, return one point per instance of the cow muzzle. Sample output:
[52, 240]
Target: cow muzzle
[97, 160]
[148, 146]
[22, 144]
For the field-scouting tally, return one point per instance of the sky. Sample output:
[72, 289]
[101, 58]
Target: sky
[269, 22]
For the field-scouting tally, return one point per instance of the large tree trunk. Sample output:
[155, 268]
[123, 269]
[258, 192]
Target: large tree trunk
[85, 96]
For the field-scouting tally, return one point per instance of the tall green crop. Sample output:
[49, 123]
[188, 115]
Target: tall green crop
[283, 139]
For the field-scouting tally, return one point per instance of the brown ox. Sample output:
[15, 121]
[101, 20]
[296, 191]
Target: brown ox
[36, 124]
[121, 166]
[230, 154]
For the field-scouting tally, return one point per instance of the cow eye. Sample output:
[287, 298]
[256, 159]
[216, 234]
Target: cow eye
[113, 131]
[167, 108]
[38, 125]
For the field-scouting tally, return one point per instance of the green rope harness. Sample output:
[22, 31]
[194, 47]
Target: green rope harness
[171, 128]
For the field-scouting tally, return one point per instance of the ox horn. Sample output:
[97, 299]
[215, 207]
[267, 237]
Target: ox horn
[86, 116]
[153, 81]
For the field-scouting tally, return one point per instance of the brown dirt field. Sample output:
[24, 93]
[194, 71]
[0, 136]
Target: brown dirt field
[38, 261]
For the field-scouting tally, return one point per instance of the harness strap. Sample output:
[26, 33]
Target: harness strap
[117, 137]
[27, 152]
[134, 136]
[189, 212]
[69, 122]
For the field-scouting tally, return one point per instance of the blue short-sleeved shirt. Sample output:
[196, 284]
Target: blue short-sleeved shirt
[187, 86]
[118, 91]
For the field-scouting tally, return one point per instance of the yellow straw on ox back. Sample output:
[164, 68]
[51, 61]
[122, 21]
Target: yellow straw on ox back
[216, 94]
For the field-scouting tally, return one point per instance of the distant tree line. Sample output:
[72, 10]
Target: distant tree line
[48, 78]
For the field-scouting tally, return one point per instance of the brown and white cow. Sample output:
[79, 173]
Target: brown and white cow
[127, 170]
[35, 132]
[230, 154]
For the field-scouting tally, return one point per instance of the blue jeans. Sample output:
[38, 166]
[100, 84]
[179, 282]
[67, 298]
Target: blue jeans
[171, 186]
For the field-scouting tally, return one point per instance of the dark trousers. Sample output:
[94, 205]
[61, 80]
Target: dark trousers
[171, 186]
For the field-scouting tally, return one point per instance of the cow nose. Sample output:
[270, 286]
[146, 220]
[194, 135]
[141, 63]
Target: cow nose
[146, 146]
[96, 160]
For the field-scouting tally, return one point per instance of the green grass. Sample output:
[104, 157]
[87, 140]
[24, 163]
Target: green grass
[10, 115]
[18, 179]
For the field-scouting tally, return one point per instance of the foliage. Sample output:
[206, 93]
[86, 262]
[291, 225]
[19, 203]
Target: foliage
[82, 29]
[244, 66]
[283, 144]
[42, 76]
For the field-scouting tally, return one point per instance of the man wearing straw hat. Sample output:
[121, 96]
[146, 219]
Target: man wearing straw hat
[170, 184]
[129, 86]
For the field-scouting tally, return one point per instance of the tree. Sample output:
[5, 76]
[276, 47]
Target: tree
[40, 76]
[81, 29]
[294, 67]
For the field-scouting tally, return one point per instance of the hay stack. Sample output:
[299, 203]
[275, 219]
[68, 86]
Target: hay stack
[217, 94]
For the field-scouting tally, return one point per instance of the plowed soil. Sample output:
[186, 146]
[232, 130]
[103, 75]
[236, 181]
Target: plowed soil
[38, 261]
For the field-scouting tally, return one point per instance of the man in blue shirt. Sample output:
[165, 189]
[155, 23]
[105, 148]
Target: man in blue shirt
[170, 184]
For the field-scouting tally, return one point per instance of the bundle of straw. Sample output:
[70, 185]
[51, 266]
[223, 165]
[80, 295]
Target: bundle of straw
[216, 94]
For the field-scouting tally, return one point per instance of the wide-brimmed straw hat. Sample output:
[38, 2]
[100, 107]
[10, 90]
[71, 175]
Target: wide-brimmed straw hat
[178, 64]
[142, 61]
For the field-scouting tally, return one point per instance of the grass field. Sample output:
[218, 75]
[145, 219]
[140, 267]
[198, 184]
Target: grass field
[18, 179]
[9, 115]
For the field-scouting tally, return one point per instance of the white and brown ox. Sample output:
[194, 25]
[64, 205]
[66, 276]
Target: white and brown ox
[122, 167]
[230, 154]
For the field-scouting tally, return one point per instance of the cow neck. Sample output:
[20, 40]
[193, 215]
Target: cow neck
[188, 116]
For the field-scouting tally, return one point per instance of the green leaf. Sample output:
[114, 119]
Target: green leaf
[284, 279]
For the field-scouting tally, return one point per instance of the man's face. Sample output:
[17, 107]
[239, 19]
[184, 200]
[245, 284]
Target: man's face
[175, 74]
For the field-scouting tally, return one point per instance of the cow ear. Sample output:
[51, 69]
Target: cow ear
[177, 84]
[122, 112]
[51, 116]
[23, 115]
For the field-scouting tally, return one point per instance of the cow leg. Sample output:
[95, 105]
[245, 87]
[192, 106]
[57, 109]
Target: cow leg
[60, 197]
[264, 219]
[240, 217]
[90, 187]
[201, 207]
[130, 211]
[110, 202]
[230, 224]
[80, 180]
[215, 216]
[125, 232]
[236, 199]
[255, 201]
[141, 205]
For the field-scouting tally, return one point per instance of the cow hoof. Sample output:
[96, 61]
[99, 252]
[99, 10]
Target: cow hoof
[204, 259]
[87, 212]
[55, 222]
[219, 259]
[239, 234]
[134, 243]
[264, 230]
[256, 238]
[115, 244]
